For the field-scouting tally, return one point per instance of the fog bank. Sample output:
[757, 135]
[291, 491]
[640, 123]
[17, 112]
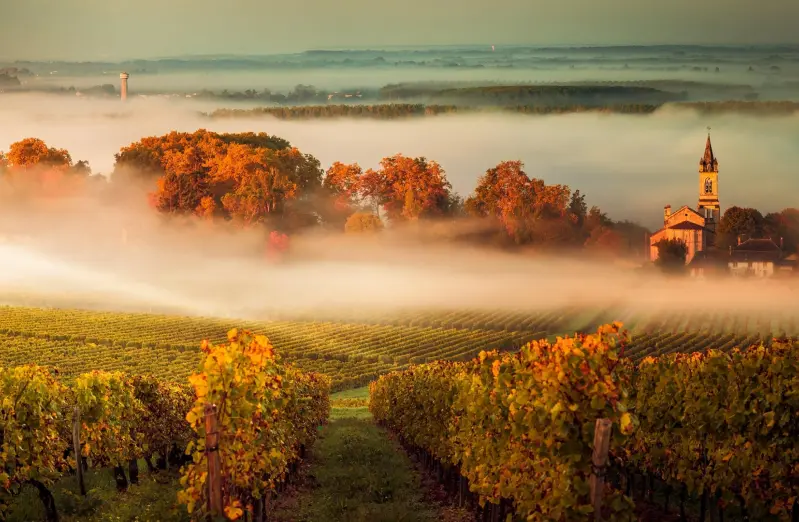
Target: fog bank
[631, 166]
[124, 257]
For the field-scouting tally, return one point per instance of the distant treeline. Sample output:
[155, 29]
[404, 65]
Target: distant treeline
[760, 108]
[555, 95]
[477, 95]
[406, 110]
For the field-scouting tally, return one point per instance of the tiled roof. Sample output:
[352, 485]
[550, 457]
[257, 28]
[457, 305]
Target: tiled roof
[758, 245]
[686, 225]
[755, 256]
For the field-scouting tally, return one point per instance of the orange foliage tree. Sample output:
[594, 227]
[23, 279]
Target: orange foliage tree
[34, 152]
[343, 183]
[246, 177]
[408, 188]
[507, 193]
[33, 169]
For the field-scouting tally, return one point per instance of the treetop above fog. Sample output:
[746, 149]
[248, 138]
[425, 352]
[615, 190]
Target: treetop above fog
[259, 179]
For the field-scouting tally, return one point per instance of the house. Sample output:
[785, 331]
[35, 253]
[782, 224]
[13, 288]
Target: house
[695, 227]
[758, 258]
[709, 263]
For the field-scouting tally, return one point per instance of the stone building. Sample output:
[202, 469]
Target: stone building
[695, 227]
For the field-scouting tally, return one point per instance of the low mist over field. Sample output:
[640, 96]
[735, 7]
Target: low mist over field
[80, 256]
[628, 165]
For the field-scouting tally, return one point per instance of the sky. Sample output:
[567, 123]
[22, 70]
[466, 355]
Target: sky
[78, 30]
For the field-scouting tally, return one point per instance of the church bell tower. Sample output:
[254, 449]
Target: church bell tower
[709, 205]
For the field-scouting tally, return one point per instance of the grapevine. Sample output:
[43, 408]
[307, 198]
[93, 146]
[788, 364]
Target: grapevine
[262, 418]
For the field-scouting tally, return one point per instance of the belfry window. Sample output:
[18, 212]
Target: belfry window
[708, 186]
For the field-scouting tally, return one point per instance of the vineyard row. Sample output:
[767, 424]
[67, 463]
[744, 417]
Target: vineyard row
[518, 429]
[264, 414]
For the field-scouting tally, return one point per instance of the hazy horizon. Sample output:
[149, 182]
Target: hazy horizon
[465, 45]
[35, 29]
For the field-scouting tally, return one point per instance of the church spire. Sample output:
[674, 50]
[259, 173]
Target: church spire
[708, 162]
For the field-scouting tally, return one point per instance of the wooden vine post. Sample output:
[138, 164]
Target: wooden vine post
[212, 454]
[599, 461]
[76, 449]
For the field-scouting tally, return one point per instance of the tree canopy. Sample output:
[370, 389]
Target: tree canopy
[32, 152]
[363, 223]
[528, 208]
[408, 188]
[672, 254]
[738, 221]
[245, 177]
[31, 168]
[259, 179]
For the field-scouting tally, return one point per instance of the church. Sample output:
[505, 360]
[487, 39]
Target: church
[695, 227]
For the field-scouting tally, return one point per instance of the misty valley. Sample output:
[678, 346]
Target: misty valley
[495, 283]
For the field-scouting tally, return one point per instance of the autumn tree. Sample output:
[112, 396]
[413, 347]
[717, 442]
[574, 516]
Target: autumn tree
[339, 196]
[606, 240]
[32, 169]
[363, 223]
[250, 178]
[407, 188]
[671, 255]
[343, 182]
[519, 202]
[34, 152]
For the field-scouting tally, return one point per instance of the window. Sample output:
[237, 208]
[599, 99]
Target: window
[708, 186]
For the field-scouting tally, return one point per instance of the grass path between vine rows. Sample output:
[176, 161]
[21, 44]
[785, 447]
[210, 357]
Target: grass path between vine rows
[357, 473]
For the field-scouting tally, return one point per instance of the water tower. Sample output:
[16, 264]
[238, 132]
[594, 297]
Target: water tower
[123, 89]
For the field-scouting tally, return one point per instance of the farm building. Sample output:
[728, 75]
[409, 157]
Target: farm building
[758, 258]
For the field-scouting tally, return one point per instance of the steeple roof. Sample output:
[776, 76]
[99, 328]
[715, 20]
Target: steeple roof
[708, 162]
[708, 157]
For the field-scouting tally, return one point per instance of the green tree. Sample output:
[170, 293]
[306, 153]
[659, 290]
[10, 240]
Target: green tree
[671, 255]
[82, 168]
[783, 227]
[738, 221]
[577, 208]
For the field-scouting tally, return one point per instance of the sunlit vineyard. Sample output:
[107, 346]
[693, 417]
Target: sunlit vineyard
[75, 341]
[350, 346]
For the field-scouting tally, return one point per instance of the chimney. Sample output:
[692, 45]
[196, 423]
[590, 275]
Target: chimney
[666, 213]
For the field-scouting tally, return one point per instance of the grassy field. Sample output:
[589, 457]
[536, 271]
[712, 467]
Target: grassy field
[357, 473]
[154, 499]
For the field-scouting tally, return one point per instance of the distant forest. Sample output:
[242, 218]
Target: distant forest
[407, 110]
[413, 99]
